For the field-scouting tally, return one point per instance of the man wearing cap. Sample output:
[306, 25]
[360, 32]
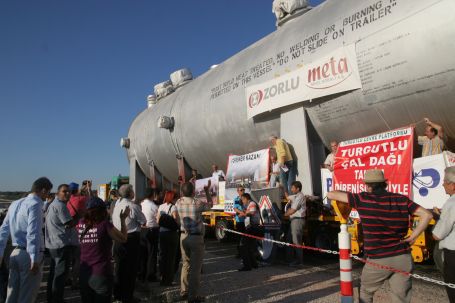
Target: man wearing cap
[59, 226]
[444, 231]
[23, 223]
[385, 220]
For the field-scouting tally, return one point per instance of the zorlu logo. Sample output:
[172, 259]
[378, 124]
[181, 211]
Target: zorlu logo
[255, 98]
[280, 88]
[328, 74]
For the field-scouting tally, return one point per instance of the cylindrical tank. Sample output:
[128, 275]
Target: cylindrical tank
[405, 56]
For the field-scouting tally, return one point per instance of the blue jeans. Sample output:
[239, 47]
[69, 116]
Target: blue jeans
[286, 178]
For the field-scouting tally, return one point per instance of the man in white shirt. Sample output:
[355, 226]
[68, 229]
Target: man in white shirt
[217, 172]
[296, 211]
[445, 233]
[149, 238]
[126, 255]
[330, 160]
[275, 173]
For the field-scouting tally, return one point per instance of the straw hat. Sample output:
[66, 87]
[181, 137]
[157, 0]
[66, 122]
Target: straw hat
[374, 176]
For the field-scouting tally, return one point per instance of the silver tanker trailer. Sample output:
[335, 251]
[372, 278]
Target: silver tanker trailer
[405, 64]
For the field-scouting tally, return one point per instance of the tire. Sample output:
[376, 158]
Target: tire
[220, 234]
[325, 239]
[267, 250]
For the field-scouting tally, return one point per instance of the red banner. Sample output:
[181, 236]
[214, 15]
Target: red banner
[390, 151]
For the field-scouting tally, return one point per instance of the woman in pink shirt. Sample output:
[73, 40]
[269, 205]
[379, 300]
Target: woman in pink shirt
[95, 235]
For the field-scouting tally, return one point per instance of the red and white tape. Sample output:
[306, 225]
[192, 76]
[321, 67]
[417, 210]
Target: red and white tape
[345, 257]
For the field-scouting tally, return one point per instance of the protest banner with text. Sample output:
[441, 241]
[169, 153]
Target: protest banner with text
[390, 151]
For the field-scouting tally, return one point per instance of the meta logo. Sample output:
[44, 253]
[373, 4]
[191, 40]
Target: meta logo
[328, 74]
[425, 179]
[274, 90]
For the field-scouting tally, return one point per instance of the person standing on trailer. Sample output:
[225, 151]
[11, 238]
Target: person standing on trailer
[286, 162]
[330, 160]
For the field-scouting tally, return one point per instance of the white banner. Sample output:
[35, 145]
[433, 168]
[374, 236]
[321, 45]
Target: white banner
[334, 73]
[427, 187]
[252, 167]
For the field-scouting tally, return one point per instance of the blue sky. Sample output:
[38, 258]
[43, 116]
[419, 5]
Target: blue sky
[74, 74]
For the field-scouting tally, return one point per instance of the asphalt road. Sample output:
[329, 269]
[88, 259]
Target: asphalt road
[316, 281]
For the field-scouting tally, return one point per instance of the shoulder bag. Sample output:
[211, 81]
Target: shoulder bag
[167, 221]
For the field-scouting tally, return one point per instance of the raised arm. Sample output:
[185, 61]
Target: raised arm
[120, 235]
[338, 196]
[436, 126]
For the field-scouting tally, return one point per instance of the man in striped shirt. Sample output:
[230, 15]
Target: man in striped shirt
[386, 218]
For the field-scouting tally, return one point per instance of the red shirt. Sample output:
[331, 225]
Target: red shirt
[77, 204]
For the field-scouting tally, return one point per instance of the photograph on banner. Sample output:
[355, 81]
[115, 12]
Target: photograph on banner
[199, 189]
[249, 170]
[333, 73]
[449, 158]
[389, 151]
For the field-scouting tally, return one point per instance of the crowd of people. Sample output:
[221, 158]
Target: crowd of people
[81, 234]
[103, 248]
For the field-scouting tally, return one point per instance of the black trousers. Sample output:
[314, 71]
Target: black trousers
[248, 249]
[148, 253]
[59, 269]
[449, 272]
[95, 288]
[240, 227]
[168, 253]
[126, 257]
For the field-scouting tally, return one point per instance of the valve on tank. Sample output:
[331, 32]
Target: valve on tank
[166, 122]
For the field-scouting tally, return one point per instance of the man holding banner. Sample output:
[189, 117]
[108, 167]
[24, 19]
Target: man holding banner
[383, 206]
[385, 220]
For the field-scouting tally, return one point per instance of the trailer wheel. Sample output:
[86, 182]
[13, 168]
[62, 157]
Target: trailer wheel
[220, 234]
[267, 250]
[325, 239]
